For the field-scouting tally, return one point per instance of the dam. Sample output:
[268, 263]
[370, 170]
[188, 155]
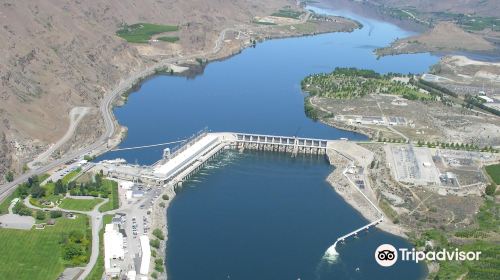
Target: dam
[180, 163]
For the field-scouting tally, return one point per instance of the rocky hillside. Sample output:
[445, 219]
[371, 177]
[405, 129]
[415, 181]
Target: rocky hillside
[477, 7]
[59, 54]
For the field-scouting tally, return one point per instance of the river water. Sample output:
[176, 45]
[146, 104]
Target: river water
[264, 215]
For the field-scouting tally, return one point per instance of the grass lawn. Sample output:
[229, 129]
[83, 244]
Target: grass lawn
[114, 199]
[171, 39]
[98, 268]
[38, 201]
[494, 172]
[36, 254]
[43, 177]
[142, 32]
[66, 179]
[4, 206]
[286, 13]
[79, 204]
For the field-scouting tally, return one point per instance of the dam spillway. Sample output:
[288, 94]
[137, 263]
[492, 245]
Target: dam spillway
[180, 164]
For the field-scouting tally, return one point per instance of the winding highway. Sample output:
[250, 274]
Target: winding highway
[109, 122]
[101, 143]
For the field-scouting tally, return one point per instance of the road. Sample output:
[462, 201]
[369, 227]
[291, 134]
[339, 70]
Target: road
[75, 116]
[101, 143]
[106, 111]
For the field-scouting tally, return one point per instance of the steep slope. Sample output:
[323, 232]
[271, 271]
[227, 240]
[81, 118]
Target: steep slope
[56, 55]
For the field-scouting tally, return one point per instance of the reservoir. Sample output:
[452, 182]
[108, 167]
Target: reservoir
[256, 215]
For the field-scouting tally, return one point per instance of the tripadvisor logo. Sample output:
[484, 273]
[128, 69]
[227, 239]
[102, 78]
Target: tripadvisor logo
[387, 255]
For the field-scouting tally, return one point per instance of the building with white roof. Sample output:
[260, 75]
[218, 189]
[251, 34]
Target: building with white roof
[113, 250]
[145, 255]
[486, 98]
[182, 159]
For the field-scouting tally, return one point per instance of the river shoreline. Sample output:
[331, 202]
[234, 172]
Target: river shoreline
[159, 213]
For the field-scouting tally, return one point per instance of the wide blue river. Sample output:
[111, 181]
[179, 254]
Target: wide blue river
[264, 215]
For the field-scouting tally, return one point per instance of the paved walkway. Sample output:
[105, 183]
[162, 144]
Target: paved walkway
[96, 223]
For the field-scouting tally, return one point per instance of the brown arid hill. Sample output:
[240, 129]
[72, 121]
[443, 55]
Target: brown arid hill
[59, 54]
[59, 58]
[478, 7]
[445, 36]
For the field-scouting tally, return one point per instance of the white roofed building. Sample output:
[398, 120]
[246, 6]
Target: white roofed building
[145, 255]
[113, 250]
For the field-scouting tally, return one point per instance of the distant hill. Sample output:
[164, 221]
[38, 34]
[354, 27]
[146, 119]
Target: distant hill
[478, 7]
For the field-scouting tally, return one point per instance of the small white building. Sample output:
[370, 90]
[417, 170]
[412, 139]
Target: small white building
[145, 255]
[113, 250]
[126, 185]
[486, 98]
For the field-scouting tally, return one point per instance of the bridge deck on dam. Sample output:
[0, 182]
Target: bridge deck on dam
[182, 162]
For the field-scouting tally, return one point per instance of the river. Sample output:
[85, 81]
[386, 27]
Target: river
[264, 215]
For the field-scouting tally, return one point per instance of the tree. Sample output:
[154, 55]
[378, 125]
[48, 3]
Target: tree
[71, 251]
[40, 215]
[98, 179]
[37, 191]
[56, 214]
[155, 243]
[59, 187]
[490, 189]
[33, 180]
[165, 197]
[158, 233]
[77, 236]
[9, 177]
[22, 210]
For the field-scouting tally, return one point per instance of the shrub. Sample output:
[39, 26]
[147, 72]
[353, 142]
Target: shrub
[158, 233]
[9, 177]
[40, 215]
[155, 243]
[22, 210]
[71, 251]
[56, 214]
[490, 189]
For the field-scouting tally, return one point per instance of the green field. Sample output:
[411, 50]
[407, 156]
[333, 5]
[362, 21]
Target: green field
[494, 172]
[171, 39]
[36, 254]
[287, 13]
[114, 199]
[79, 204]
[142, 32]
[4, 206]
[98, 268]
[70, 176]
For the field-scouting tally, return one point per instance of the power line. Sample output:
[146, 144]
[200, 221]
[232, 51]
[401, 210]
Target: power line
[147, 146]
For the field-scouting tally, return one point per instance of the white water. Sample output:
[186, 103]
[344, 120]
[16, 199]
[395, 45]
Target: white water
[331, 255]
